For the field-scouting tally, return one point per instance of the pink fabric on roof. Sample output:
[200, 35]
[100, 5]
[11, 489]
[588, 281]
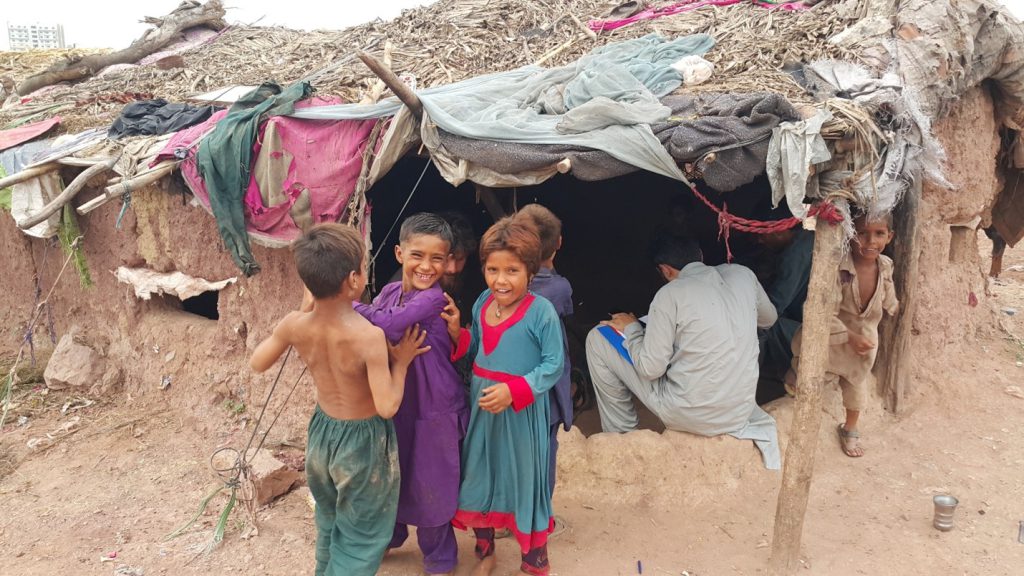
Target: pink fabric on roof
[326, 160]
[21, 134]
[679, 8]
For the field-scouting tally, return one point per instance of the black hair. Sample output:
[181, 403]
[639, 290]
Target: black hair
[675, 251]
[325, 256]
[862, 216]
[462, 230]
[426, 224]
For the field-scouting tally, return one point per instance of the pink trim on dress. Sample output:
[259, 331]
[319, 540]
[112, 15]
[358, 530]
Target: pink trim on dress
[522, 394]
[492, 334]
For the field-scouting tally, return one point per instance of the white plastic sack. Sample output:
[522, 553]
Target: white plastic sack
[694, 70]
[29, 197]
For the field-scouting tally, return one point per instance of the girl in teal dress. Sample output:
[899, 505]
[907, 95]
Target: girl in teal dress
[516, 345]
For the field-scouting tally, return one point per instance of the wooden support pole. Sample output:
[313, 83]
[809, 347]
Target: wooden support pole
[69, 192]
[803, 437]
[894, 363]
[127, 186]
[27, 174]
[490, 201]
[403, 92]
[82, 162]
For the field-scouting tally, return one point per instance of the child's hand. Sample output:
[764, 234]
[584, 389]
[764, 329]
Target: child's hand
[453, 318]
[409, 347]
[861, 344]
[495, 398]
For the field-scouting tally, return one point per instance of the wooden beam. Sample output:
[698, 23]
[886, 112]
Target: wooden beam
[128, 186]
[403, 92]
[894, 364]
[69, 192]
[166, 29]
[803, 436]
[27, 174]
[486, 195]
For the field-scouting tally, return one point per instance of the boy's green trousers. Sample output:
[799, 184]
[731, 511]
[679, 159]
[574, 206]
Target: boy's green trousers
[352, 471]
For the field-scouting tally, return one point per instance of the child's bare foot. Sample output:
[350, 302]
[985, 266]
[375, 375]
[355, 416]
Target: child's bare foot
[849, 441]
[486, 566]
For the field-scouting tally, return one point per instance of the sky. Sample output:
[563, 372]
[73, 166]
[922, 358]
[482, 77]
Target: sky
[115, 23]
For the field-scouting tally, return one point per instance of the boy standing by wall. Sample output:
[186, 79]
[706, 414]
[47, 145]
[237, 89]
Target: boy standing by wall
[351, 460]
[432, 419]
[865, 291]
[558, 291]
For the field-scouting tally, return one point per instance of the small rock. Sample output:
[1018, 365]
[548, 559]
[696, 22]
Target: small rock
[165, 382]
[1010, 311]
[169, 356]
[73, 365]
[905, 517]
[271, 477]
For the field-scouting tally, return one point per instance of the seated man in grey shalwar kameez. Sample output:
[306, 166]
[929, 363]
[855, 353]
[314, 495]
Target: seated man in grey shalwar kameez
[694, 365]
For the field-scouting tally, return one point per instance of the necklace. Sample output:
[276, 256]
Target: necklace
[497, 310]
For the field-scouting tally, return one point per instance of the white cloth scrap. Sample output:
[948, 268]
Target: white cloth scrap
[794, 147]
[148, 282]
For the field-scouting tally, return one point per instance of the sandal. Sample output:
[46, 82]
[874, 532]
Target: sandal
[849, 442]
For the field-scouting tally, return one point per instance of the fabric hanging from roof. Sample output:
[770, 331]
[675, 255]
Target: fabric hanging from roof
[157, 117]
[513, 159]
[605, 101]
[794, 147]
[304, 172]
[725, 135]
[225, 159]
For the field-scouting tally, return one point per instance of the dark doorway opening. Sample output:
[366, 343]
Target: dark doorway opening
[607, 229]
[204, 305]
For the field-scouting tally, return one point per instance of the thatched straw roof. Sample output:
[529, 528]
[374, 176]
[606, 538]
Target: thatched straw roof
[453, 40]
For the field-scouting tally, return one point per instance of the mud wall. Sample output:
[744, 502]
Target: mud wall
[151, 341]
[953, 305]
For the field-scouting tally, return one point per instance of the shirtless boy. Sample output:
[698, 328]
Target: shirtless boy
[351, 453]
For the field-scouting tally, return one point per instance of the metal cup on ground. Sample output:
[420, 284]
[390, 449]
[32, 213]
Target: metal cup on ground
[945, 505]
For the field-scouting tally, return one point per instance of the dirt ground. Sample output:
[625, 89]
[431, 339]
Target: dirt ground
[120, 474]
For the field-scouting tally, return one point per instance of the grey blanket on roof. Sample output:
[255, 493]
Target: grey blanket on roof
[737, 127]
[515, 158]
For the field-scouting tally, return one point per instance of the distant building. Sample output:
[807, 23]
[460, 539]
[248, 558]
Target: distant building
[35, 36]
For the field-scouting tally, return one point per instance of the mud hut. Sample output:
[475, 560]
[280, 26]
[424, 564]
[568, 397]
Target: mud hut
[171, 300]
